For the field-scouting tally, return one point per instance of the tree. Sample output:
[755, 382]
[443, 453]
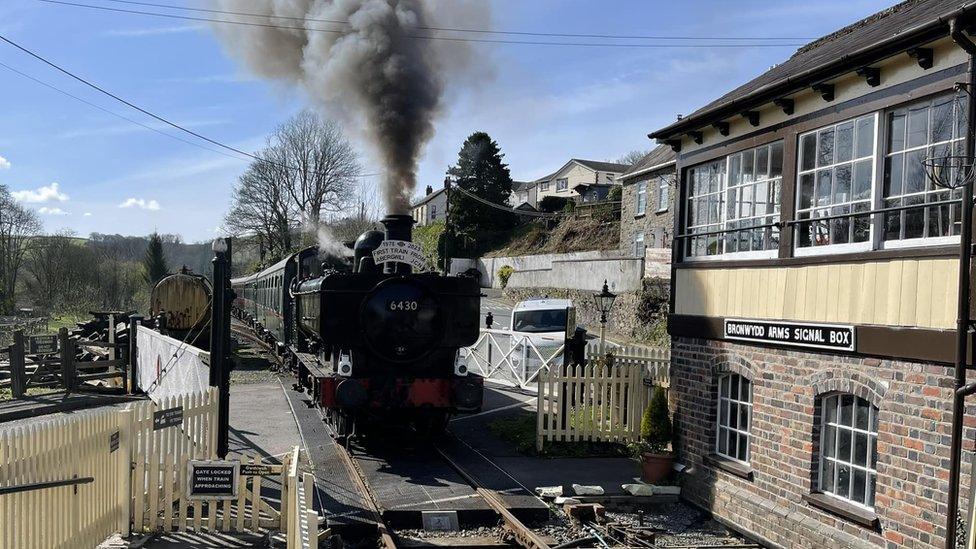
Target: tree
[17, 226]
[632, 157]
[321, 165]
[262, 206]
[480, 171]
[154, 264]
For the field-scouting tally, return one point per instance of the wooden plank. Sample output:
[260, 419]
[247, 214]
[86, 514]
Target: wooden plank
[256, 499]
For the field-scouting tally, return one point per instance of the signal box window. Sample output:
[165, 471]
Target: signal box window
[848, 449]
[934, 127]
[734, 417]
[836, 175]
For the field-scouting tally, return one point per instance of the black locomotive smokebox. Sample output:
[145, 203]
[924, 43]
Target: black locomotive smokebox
[350, 394]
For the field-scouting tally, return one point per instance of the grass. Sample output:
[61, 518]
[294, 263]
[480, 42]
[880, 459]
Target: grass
[65, 320]
[520, 432]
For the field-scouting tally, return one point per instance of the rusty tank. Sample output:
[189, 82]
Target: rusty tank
[183, 301]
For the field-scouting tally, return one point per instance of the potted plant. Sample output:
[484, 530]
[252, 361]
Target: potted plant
[657, 459]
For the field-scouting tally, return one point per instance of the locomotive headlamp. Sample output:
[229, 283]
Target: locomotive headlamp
[460, 366]
[345, 365]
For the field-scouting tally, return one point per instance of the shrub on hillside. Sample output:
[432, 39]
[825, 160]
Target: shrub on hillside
[553, 204]
[504, 273]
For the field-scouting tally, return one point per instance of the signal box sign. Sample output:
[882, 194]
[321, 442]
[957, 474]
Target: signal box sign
[212, 479]
[400, 251]
[43, 345]
[836, 337]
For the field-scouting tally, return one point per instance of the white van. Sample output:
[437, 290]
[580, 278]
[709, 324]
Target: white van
[541, 323]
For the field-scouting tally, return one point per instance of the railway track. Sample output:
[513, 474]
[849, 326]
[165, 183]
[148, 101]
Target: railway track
[248, 334]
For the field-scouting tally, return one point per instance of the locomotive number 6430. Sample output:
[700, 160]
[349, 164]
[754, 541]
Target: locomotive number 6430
[403, 305]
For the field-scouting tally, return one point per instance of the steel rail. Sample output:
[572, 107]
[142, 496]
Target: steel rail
[386, 539]
[524, 536]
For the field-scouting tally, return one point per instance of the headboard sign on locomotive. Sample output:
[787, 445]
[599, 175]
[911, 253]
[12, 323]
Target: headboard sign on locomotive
[838, 337]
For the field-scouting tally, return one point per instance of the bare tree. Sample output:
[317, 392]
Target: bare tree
[632, 157]
[17, 226]
[322, 165]
[262, 205]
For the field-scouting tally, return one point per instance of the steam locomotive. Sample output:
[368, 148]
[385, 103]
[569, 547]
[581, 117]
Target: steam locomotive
[369, 340]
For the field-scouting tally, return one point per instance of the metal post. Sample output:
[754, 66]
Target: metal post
[963, 319]
[603, 331]
[447, 227]
[18, 385]
[69, 376]
[134, 322]
[220, 340]
[489, 320]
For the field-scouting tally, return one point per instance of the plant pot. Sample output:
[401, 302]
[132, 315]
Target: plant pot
[656, 467]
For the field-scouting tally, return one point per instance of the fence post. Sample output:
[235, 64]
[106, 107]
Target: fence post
[68, 373]
[17, 374]
[134, 322]
[126, 443]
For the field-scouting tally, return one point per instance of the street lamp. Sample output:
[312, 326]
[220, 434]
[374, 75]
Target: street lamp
[604, 302]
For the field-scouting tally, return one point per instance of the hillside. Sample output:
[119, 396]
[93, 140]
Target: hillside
[570, 235]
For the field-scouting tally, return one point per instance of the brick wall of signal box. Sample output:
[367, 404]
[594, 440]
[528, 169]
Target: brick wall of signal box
[914, 402]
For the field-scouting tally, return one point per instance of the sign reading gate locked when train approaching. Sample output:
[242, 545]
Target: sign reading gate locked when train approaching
[400, 251]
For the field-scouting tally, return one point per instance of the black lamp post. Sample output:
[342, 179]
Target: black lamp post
[604, 302]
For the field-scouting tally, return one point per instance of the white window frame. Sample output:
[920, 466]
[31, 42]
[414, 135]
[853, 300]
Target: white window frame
[850, 247]
[852, 431]
[723, 429]
[544, 186]
[663, 194]
[639, 241]
[723, 213]
[961, 138]
[641, 206]
[562, 184]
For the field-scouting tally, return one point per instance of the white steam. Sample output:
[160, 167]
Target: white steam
[370, 62]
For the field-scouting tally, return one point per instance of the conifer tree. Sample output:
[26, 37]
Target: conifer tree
[154, 264]
[480, 171]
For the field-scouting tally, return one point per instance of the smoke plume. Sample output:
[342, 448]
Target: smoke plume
[366, 61]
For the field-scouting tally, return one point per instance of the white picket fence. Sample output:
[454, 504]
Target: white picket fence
[112, 470]
[301, 520]
[76, 448]
[602, 400]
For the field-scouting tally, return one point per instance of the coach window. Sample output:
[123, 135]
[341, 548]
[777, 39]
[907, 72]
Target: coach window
[933, 127]
[835, 178]
[848, 449]
[734, 417]
[733, 203]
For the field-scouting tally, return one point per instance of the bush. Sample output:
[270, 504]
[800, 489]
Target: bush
[615, 193]
[504, 273]
[553, 204]
[656, 423]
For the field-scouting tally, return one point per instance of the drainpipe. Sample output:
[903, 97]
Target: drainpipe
[963, 320]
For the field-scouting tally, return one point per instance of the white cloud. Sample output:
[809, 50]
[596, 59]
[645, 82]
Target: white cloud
[140, 203]
[4, 163]
[52, 211]
[155, 31]
[50, 193]
[86, 214]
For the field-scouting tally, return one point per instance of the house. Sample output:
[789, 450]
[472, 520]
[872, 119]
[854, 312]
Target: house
[524, 195]
[814, 288]
[432, 207]
[564, 181]
[646, 213]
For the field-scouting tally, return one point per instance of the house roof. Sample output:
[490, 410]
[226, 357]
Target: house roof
[602, 166]
[547, 177]
[886, 33]
[659, 157]
[428, 198]
[522, 185]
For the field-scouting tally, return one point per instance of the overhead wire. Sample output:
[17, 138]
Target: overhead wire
[458, 29]
[502, 207]
[141, 109]
[421, 37]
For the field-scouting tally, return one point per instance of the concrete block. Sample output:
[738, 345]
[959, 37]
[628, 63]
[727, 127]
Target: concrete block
[549, 491]
[561, 500]
[586, 512]
[638, 489]
[581, 490]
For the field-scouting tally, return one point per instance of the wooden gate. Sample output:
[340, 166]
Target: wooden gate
[601, 400]
[64, 482]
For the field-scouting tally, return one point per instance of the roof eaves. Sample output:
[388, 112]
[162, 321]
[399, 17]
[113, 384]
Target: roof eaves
[920, 34]
[649, 169]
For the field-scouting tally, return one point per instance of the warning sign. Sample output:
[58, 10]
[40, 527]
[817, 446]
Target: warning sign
[401, 251]
[212, 479]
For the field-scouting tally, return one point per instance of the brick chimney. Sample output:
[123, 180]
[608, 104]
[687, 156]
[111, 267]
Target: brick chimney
[429, 189]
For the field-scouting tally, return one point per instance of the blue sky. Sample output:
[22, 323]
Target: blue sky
[543, 104]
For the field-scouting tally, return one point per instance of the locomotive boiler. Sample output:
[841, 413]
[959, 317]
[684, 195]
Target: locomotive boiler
[376, 340]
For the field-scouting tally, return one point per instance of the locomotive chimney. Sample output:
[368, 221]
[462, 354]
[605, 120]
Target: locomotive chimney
[398, 227]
